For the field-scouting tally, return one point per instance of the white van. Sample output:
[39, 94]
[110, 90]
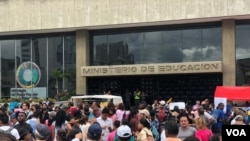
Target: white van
[101, 99]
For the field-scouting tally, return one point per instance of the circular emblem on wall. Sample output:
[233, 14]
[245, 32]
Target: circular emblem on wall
[28, 75]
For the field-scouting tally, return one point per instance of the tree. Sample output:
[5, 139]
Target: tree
[57, 75]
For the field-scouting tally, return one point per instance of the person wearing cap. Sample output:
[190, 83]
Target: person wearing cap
[124, 133]
[162, 112]
[13, 119]
[42, 133]
[144, 114]
[94, 132]
[238, 120]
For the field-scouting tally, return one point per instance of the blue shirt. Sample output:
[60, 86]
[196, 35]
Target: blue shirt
[221, 117]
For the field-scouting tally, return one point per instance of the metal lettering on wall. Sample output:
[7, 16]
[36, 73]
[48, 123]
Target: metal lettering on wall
[141, 69]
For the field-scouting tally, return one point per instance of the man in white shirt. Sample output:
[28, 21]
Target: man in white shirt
[105, 123]
[4, 126]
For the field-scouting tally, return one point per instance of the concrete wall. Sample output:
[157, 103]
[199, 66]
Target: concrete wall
[34, 15]
[228, 53]
[82, 59]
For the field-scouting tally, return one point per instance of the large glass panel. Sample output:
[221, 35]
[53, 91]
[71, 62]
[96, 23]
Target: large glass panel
[212, 44]
[70, 64]
[134, 41]
[55, 64]
[192, 45]
[23, 52]
[118, 49]
[152, 47]
[242, 55]
[7, 67]
[172, 43]
[39, 56]
[100, 50]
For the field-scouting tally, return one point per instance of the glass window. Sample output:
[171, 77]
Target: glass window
[7, 67]
[100, 50]
[192, 45]
[134, 41]
[70, 64]
[55, 64]
[23, 50]
[212, 44]
[152, 47]
[165, 46]
[117, 49]
[172, 46]
[39, 56]
[242, 55]
[51, 54]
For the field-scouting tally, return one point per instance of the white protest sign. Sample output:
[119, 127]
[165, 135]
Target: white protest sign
[181, 105]
[223, 100]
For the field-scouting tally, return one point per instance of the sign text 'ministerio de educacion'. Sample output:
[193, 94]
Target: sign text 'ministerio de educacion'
[140, 69]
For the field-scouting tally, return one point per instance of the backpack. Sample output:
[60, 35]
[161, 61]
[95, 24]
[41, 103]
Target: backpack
[161, 115]
[7, 131]
[155, 132]
[124, 115]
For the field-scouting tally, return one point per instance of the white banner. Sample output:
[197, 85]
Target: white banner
[23, 93]
[181, 105]
[218, 100]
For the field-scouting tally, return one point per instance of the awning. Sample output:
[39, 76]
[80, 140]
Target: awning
[233, 92]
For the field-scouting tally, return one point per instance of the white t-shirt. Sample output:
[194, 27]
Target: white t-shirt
[13, 132]
[163, 135]
[108, 122]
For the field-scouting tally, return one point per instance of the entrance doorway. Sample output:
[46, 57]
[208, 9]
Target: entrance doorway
[185, 87]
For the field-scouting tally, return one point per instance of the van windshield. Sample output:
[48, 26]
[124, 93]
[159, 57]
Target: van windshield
[103, 102]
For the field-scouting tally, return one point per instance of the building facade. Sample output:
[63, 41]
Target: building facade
[169, 48]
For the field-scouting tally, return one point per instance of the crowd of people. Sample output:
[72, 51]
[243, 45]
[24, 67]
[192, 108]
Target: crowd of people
[89, 122]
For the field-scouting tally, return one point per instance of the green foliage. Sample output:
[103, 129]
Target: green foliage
[37, 100]
[57, 74]
[8, 100]
[52, 100]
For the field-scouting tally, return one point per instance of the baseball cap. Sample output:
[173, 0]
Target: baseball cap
[42, 131]
[145, 112]
[124, 131]
[238, 117]
[13, 115]
[95, 130]
[162, 102]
